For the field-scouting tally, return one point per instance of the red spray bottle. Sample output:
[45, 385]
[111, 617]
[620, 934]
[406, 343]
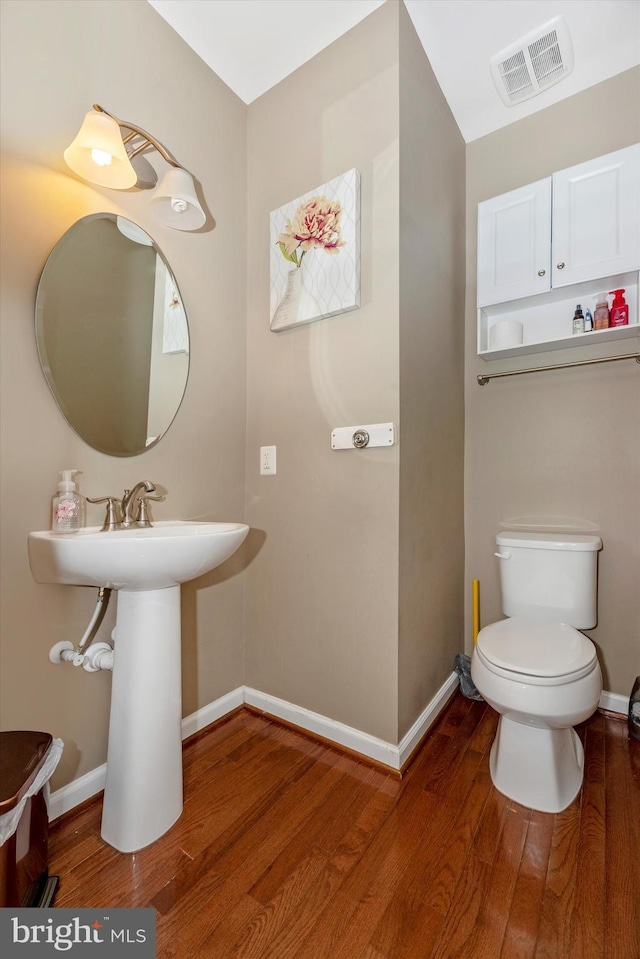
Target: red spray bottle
[619, 309]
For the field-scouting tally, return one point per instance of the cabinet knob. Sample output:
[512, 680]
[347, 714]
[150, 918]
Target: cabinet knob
[541, 272]
[560, 266]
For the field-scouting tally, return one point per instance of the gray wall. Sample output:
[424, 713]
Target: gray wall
[432, 252]
[57, 59]
[563, 443]
[322, 589]
[354, 599]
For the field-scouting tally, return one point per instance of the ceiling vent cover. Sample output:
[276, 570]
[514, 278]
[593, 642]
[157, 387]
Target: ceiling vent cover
[535, 62]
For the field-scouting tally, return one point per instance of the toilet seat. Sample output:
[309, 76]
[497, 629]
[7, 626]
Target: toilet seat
[542, 654]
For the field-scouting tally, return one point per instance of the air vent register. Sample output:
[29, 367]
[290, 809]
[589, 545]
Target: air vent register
[534, 63]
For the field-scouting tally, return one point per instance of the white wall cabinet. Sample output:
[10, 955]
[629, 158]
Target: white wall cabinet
[596, 218]
[579, 224]
[514, 244]
[554, 243]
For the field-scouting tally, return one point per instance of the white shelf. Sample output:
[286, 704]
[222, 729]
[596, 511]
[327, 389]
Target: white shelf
[547, 318]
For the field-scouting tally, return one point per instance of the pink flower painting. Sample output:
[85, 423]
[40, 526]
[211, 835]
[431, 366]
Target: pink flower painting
[324, 221]
[314, 226]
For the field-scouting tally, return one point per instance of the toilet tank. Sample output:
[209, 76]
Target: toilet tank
[549, 577]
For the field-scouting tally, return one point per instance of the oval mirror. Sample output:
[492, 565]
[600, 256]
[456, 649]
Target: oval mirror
[112, 334]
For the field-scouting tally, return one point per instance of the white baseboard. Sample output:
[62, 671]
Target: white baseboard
[212, 713]
[78, 791]
[426, 719]
[614, 702]
[377, 749]
[335, 732]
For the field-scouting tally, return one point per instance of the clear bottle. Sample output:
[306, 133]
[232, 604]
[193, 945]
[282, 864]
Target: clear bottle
[588, 321]
[601, 312]
[578, 320]
[68, 507]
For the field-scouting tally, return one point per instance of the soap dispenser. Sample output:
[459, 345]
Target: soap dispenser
[601, 312]
[68, 507]
[619, 309]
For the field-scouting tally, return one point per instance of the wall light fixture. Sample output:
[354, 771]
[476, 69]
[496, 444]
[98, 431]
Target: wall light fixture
[101, 154]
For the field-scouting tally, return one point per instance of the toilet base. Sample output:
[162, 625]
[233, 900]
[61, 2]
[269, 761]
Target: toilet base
[537, 767]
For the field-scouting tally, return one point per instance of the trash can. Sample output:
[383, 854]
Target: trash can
[27, 760]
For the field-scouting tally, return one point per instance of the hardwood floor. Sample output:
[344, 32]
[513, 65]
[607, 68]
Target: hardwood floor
[288, 849]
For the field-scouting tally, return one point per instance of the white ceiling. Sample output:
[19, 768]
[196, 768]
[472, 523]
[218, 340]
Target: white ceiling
[253, 44]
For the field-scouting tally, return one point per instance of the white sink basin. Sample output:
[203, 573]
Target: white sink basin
[133, 559]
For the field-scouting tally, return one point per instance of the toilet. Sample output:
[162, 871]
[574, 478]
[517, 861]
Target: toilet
[537, 670]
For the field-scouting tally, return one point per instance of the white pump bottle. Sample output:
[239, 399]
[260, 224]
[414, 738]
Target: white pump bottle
[68, 507]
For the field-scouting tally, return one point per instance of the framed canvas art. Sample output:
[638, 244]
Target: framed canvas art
[315, 254]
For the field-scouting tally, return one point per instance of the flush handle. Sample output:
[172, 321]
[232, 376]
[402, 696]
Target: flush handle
[360, 439]
[504, 555]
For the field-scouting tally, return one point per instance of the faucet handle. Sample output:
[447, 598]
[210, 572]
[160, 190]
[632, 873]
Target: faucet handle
[113, 519]
[143, 517]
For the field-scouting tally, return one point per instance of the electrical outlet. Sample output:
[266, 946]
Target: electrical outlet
[267, 460]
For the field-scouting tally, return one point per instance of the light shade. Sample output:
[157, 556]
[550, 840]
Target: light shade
[175, 203]
[98, 154]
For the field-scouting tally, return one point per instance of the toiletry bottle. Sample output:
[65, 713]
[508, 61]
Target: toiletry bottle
[67, 506]
[619, 309]
[601, 313]
[588, 321]
[578, 320]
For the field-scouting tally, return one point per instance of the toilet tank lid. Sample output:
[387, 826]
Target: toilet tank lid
[549, 541]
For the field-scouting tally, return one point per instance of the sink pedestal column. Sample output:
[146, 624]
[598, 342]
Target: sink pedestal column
[143, 789]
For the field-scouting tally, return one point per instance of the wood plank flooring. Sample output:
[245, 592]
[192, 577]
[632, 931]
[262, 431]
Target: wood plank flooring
[288, 849]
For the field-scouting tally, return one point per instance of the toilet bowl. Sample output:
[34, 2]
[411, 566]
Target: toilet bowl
[543, 680]
[537, 670]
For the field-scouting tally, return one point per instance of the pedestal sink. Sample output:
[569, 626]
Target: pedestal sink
[143, 788]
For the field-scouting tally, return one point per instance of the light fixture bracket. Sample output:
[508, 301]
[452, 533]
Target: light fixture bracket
[136, 131]
[102, 154]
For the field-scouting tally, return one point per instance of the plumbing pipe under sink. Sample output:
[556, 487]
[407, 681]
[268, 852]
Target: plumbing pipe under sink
[64, 651]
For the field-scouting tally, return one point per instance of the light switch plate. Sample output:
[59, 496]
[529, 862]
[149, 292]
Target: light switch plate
[379, 434]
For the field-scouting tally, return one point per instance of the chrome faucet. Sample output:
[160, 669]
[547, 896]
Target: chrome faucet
[131, 510]
[129, 501]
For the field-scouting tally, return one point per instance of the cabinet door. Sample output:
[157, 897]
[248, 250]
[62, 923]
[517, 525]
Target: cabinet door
[596, 218]
[513, 244]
